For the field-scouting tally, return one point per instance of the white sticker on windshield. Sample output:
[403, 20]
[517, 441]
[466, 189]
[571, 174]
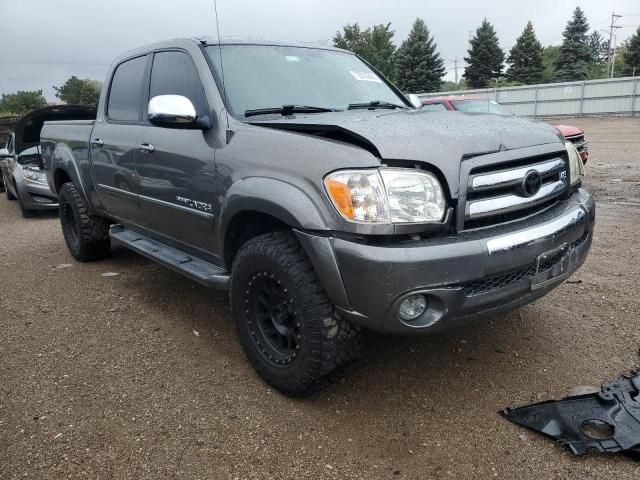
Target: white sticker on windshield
[366, 76]
[291, 58]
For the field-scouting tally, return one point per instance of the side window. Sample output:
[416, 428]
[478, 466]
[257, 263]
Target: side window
[125, 94]
[10, 144]
[434, 107]
[173, 73]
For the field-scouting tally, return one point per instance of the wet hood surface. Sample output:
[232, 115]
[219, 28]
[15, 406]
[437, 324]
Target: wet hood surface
[424, 136]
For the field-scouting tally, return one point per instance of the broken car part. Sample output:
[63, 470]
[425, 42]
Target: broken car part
[606, 421]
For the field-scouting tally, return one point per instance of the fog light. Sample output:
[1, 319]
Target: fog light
[412, 307]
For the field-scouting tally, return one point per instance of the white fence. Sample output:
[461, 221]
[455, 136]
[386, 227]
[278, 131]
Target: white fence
[615, 96]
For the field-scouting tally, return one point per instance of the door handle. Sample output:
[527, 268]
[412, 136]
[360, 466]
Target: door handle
[97, 142]
[146, 147]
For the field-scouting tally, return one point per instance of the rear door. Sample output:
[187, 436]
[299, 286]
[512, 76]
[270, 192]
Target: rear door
[175, 166]
[114, 140]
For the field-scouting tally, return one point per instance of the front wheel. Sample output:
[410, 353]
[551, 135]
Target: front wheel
[87, 236]
[286, 324]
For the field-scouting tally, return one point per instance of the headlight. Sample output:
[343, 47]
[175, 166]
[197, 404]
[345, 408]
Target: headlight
[35, 175]
[576, 166]
[388, 195]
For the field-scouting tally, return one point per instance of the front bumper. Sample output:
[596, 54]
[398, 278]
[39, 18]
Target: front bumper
[35, 196]
[470, 275]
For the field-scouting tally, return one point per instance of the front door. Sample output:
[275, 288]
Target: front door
[114, 140]
[175, 167]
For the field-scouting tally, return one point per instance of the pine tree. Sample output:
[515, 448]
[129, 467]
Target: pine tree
[419, 67]
[598, 49]
[525, 59]
[485, 59]
[575, 53]
[631, 55]
[375, 45]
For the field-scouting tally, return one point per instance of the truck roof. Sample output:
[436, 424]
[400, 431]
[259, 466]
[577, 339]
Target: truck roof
[182, 42]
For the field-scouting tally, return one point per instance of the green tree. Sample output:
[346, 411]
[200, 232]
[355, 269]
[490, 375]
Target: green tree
[631, 55]
[419, 67]
[375, 45]
[575, 54]
[22, 102]
[485, 59]
[78, 91]
[549, 59]
[449, 86]
[598, 50]
[525, 58]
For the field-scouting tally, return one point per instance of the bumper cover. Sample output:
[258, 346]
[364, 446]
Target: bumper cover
[466, 276]
[36, 196]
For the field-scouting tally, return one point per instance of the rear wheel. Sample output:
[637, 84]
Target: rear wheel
[288, 328]
[87, 236]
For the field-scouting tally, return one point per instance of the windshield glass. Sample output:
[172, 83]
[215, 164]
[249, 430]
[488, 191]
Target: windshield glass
[266, 76]
[480, 105]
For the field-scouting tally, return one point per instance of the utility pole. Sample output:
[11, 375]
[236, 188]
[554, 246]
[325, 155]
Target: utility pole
[455, 68]
[611, 54]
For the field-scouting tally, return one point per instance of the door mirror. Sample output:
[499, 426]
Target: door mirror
[414, 100]
[4, 155]
[171, 110]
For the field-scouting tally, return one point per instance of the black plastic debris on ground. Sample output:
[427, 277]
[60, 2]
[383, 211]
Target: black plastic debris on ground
[606, 421]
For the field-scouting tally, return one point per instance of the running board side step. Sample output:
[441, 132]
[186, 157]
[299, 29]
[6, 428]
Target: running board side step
[199, 270]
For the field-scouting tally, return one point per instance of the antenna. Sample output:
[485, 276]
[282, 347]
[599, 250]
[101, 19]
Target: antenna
[224, 86]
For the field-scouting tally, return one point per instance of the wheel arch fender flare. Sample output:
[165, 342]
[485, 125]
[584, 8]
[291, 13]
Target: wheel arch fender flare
[273, 197]
[64, 163]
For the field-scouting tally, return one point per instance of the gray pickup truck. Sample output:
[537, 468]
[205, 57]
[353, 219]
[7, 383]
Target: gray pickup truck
[312, 189]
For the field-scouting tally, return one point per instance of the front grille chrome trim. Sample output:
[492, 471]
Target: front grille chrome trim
[510, 203]
[514, 176]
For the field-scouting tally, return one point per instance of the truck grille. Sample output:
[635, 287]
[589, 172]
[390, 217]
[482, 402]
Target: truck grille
[489, 284]
[496, 195]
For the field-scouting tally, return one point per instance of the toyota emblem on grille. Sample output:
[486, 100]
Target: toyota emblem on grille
[531, 183]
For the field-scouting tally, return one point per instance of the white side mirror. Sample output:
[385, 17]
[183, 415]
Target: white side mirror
[414, 100]
[167, 110]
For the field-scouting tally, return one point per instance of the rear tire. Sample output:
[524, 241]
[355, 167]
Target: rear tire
[287, 326]
[87, 236]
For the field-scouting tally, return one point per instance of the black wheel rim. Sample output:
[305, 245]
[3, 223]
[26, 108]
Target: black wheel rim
[71, 229]
[273, 319]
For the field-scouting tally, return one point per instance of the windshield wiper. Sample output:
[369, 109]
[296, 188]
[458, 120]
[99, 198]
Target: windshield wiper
[375, 104]
[287, 110]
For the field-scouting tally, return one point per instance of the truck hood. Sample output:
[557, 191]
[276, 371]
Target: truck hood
[439, 138]
[27, 130]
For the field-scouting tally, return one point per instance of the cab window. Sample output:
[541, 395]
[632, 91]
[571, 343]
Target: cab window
[125, 94]
[173, 73]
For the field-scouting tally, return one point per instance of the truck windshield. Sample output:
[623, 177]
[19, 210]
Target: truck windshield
[267, 77]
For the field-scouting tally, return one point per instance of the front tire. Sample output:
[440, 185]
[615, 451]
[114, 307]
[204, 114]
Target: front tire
[87, 236]
[287, 326]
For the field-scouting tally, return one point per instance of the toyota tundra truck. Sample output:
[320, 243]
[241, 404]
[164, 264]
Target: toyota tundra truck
[322, 198]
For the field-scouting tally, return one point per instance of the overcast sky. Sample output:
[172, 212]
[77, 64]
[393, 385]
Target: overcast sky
[43, 42]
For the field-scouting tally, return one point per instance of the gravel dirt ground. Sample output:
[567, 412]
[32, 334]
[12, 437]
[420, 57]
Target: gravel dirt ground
[139, 375]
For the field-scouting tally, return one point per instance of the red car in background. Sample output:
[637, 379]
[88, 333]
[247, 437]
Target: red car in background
[463, 103]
